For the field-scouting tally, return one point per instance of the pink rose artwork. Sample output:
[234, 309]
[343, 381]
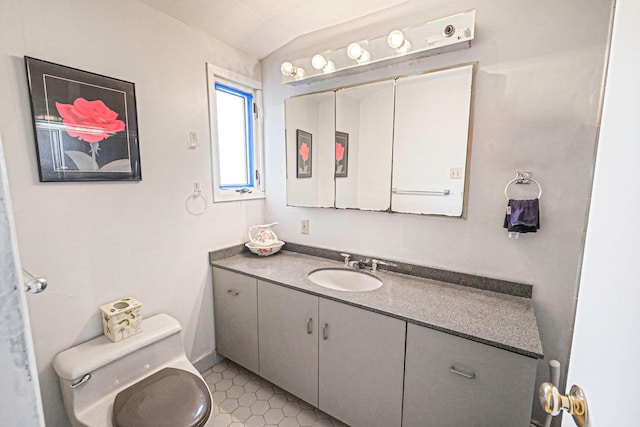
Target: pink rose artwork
[305, 156]
[89, 121]
[304, 152]
[339, 152]
[92, 122]
[342, 154]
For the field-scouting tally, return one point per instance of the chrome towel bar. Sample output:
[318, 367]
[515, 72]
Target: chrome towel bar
[421, 192]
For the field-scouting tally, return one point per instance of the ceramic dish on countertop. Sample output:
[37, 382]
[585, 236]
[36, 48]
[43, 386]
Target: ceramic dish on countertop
[263, 250]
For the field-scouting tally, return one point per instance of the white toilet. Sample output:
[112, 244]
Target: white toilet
[145, 380]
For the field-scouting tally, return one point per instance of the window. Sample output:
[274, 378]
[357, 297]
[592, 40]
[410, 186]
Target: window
[236, 135]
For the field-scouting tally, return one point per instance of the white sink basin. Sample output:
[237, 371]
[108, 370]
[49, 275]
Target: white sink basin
[345, 279]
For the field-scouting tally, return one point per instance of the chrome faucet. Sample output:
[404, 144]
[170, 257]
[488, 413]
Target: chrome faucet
[359, 264]
[346, 259]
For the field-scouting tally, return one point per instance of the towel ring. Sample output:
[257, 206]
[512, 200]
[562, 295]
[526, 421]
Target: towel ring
[196, 194]
[521, 180]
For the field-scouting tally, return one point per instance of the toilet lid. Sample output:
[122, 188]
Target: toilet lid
[169, 398]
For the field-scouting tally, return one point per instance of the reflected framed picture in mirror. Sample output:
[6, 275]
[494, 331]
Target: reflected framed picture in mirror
[342, 154]
[304, 150]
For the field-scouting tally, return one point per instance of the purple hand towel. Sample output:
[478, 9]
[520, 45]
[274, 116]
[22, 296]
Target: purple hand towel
[523, 216]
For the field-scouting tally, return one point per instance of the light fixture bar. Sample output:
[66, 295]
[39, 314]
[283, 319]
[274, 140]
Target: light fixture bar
[442, 35]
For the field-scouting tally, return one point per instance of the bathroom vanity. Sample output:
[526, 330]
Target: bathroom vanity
[414, 352]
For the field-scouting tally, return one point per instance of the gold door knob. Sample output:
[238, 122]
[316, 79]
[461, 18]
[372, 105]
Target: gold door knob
[574, 403]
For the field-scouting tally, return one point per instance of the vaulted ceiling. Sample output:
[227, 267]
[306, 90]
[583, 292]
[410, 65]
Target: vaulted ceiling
[259, 27]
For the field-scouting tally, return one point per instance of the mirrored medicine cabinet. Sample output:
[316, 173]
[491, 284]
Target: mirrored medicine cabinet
[398, 145]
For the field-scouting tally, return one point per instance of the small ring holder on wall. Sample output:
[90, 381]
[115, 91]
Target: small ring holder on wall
[522, 178]
[190, 200]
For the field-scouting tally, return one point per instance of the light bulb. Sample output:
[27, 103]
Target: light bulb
[318, 62]
[288, 69]
[299, 73]
[354, 51]
[365, 57]
[406, 47]
[329, 68]
[395, 39]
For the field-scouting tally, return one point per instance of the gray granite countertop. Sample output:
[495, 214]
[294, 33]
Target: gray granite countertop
[500, 320]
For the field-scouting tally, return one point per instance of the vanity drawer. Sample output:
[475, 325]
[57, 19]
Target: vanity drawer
[452, 382]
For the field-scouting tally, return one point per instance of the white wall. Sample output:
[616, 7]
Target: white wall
[97, 242]
[536, 105]
[606, 349]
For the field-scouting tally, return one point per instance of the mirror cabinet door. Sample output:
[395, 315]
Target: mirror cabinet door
[364, 140]
[431, 135]
[310, 132]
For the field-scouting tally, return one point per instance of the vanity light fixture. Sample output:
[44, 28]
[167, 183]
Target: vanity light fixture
[442, 35]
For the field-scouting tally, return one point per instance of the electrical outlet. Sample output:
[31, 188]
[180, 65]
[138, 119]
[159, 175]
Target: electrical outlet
[304, 226]
[455, 173]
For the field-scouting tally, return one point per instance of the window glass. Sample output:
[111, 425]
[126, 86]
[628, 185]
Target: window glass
[236, 135]
[235, 138]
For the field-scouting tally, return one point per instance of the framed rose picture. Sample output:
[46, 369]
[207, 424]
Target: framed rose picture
[85, 124]
[342, 154]
[304, 147]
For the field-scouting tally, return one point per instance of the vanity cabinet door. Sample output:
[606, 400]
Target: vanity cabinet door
[235, 309]
[288, 334]
[452, 382]
[361, 365]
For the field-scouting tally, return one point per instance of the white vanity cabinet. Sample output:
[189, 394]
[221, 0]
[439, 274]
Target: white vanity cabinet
[361, 365]
[364, 368]
[235, 309]
[452, 382]
[288, 334]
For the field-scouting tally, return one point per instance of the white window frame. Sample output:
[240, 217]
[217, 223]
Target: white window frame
[245, 84]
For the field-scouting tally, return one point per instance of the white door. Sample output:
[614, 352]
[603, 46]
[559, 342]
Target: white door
[20, 402]
[606, 341]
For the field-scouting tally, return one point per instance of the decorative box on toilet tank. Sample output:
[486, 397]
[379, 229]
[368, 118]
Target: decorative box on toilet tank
[122, 318]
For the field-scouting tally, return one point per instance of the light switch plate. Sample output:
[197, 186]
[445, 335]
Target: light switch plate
[193, 140]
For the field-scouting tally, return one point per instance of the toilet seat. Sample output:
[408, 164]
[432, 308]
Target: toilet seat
[169, 398]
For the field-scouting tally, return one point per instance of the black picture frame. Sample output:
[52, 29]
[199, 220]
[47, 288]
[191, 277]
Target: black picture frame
[304, 154]
[85, 124]
[342, 153]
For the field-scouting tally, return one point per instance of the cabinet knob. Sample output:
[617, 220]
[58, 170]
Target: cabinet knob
[232, 292]
[310, 326]
[325, 331]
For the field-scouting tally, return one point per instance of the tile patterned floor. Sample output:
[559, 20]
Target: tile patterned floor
[241, 398]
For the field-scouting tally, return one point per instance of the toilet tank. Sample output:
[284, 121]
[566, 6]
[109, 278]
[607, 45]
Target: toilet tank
[112, 366]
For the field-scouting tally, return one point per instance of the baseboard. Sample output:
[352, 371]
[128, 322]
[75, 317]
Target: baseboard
[207, 361]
